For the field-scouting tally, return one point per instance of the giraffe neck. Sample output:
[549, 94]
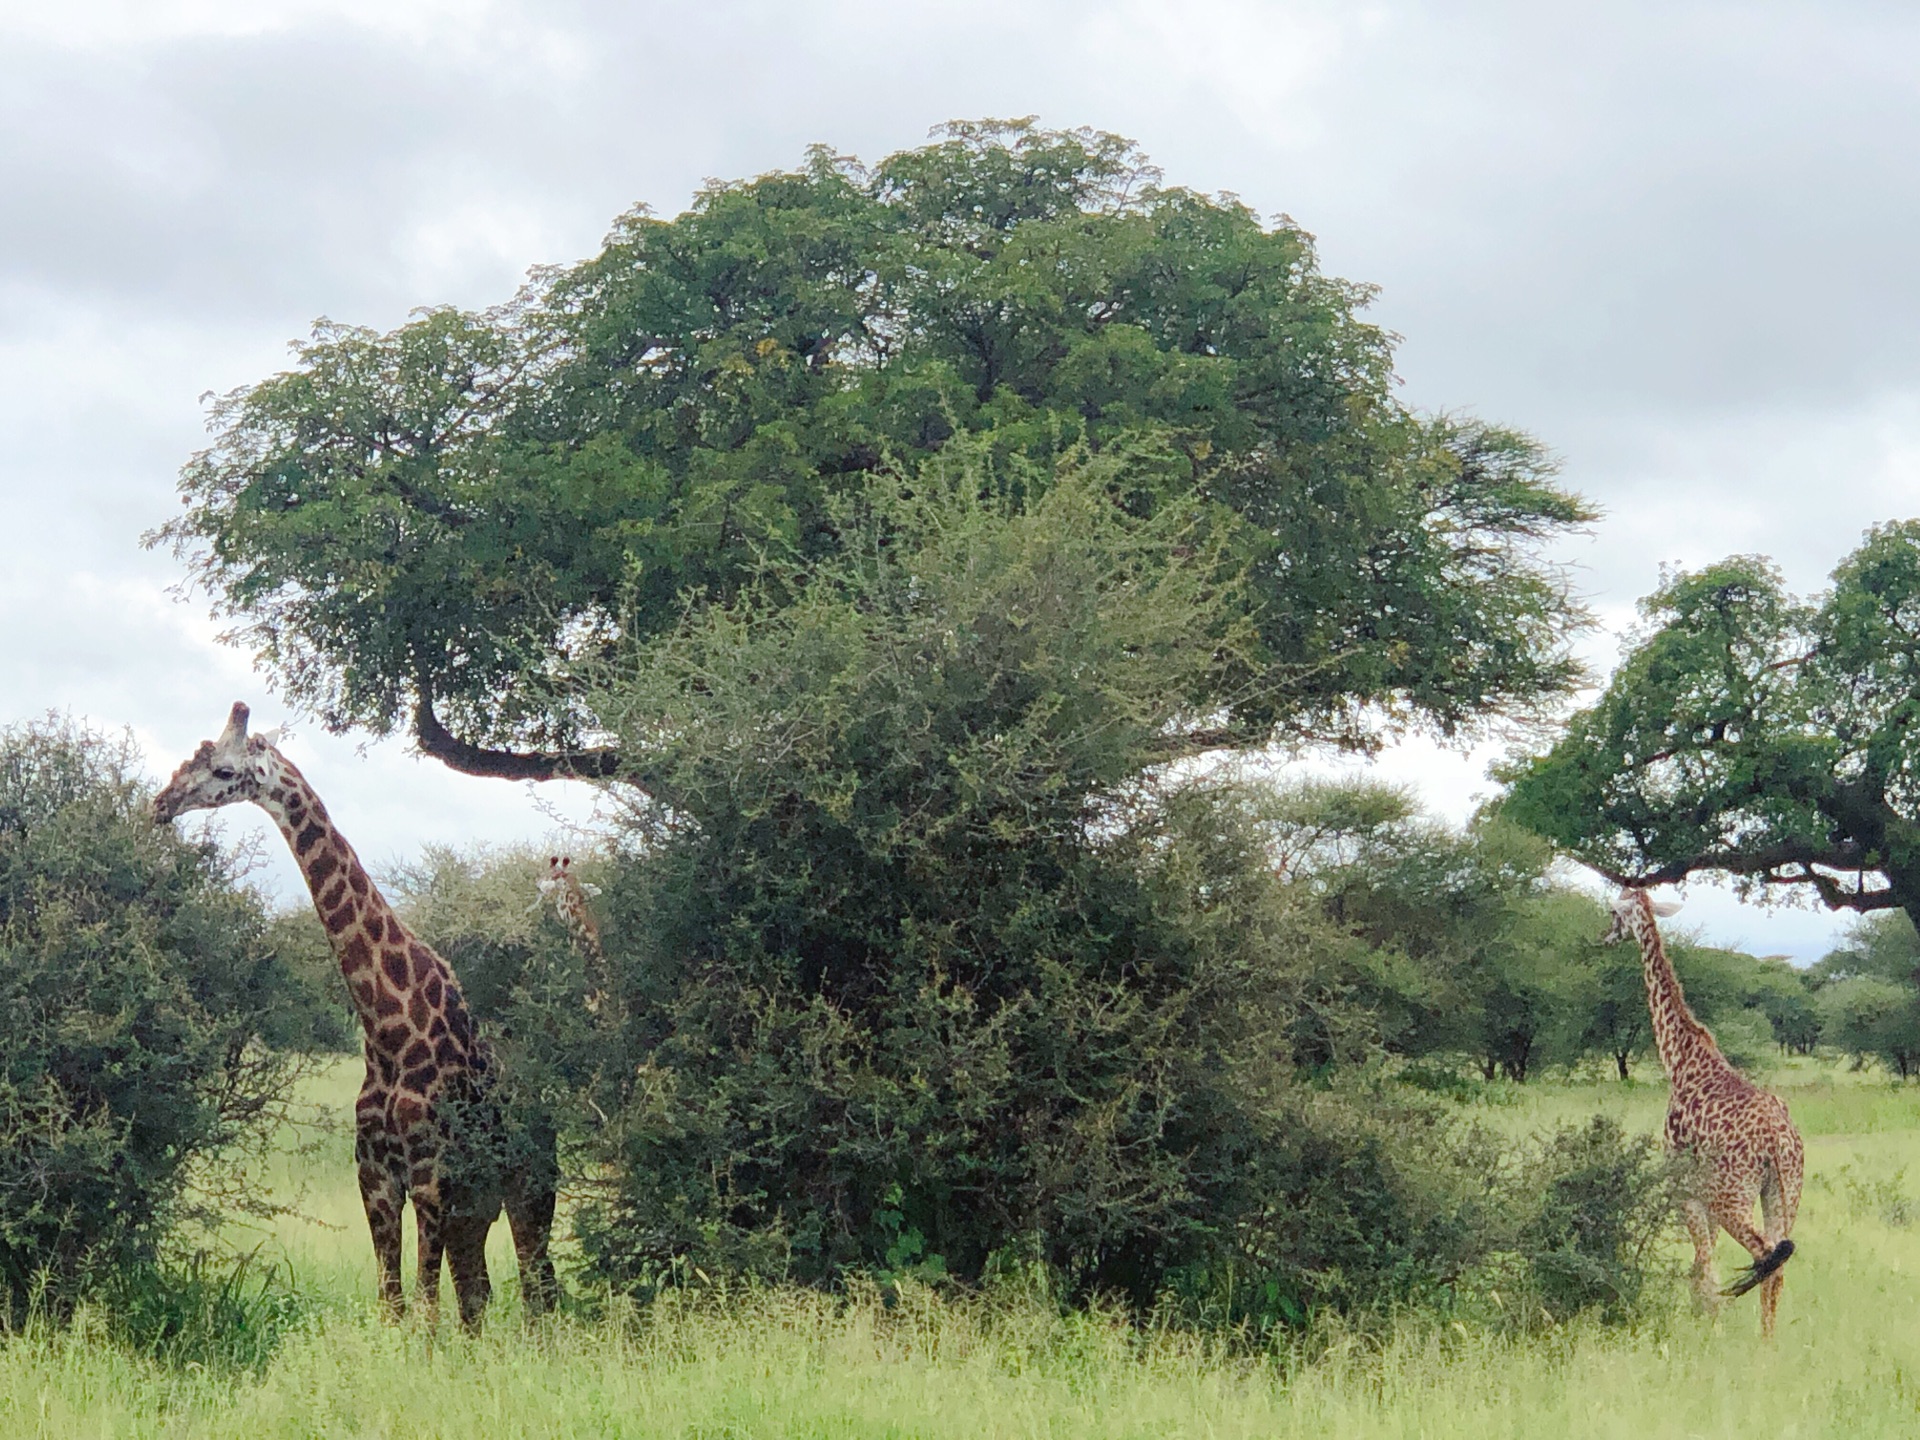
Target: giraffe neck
[1685, 1044]
[375, 950]
[580, 916]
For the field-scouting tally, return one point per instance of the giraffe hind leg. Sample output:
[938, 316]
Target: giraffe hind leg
[1706, 1288]
[1738, 1222]
[1779, 1204]
[530, 1205]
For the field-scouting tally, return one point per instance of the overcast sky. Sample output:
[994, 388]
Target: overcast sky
[1672, 239]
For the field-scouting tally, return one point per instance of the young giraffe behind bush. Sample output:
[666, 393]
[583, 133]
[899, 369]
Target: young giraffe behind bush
[1742, 1135]
[572, 901]
[427, 1125]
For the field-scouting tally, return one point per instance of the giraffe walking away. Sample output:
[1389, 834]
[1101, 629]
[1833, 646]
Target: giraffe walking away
[1741, 1134]
[428, 1126]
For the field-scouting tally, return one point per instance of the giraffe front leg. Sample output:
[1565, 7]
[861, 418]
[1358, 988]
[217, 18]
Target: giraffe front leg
[467, 1258]
[429, 1227]
[1706, 1288]
[383, 1197]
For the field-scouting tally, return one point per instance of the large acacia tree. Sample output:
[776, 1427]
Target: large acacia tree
[430, 529]
[1757, 734]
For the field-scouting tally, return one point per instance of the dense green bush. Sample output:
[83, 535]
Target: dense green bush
[1868, 993]
[314, 1014]
[137, 978]
[1596, 1202]
[917, 974]
[916, 978]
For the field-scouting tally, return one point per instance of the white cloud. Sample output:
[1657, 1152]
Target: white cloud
[124, 24]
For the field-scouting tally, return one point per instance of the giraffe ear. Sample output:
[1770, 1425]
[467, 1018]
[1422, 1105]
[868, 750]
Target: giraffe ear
[589, 887]
[270, 738]
[1664, 908]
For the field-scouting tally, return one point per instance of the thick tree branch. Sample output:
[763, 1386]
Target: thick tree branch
[470, 759]
[1180, 744]
[1782, 864]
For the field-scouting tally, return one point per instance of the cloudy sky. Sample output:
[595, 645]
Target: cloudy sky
[1672, 239]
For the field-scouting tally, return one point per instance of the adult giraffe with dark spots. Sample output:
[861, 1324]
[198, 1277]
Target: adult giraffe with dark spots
[1742, 1135]
[427, 1124]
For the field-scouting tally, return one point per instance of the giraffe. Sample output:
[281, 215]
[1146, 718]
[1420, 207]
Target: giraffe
[1742, 1134]
[570, 896]
[427, 1122]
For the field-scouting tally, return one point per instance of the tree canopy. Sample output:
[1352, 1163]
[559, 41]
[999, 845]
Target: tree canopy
[430, 529]
[1755, 733]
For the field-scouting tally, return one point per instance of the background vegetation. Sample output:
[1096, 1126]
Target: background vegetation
[144, 1000]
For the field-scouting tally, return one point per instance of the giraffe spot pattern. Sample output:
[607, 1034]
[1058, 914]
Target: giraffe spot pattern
[423, 1052]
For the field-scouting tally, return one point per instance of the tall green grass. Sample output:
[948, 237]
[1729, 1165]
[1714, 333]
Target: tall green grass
[785, 1363]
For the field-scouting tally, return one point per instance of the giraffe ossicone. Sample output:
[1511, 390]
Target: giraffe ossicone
[1744, 1138]
[428, 1126]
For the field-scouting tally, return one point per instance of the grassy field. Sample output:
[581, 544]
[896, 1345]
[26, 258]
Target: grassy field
[1846, 1362]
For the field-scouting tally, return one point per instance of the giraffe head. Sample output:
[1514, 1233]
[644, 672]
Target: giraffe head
[223, 771]
[1631, 907]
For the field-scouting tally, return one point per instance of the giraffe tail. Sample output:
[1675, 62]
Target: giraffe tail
[1761, 1268]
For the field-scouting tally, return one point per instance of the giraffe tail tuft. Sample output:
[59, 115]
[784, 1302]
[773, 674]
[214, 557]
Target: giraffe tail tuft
[1761, 1268]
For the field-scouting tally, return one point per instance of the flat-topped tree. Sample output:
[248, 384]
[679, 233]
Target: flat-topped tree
[424, 530]
[1755, 734]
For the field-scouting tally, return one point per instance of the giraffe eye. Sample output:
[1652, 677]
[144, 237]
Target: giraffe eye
[220, 772]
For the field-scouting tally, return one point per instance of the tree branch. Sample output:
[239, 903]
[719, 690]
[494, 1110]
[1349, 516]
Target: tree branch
[470, 759]
[1180, 744]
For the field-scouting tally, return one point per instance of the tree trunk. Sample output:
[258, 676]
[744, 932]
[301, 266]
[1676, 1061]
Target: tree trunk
[1620, 1060]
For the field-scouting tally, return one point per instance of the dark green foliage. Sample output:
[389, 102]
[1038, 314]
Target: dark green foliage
[1370, 1201]
[917, 978]
[458, 510]
[915, 969]
[138, 979]
[1754, 733]
[1463, 948]
[314, 1013]
[201, 1314]
[1868, 996]
[1601, 1201]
